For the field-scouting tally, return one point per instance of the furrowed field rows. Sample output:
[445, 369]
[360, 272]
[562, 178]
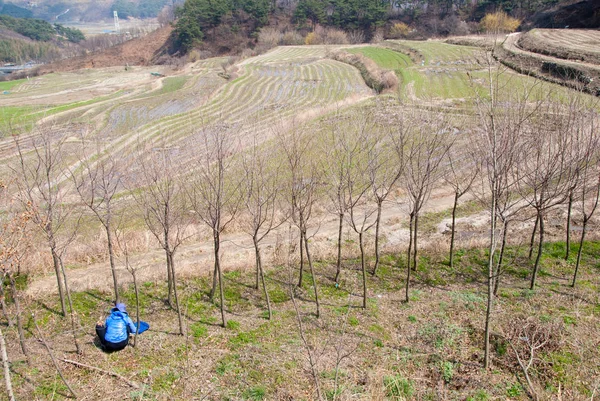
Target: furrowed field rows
[441, 76]
[288, 54]
[585, 40]
[152, 107]
[266, 92]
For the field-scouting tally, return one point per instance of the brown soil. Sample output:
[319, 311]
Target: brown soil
[140, 51]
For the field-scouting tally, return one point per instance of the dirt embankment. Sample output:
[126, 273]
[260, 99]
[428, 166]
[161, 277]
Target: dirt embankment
[576, 75]
[140, 51]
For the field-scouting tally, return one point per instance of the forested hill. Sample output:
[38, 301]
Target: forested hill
[222, 25]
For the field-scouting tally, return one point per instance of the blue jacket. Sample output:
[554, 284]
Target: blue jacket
[118, 326]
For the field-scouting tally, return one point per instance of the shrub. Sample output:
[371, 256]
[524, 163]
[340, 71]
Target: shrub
[326, 36]
[291, 38]
[399, 30]
[269, 37]
[499, 22]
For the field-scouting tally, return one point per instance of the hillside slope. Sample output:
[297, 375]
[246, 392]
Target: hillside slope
[140, 51]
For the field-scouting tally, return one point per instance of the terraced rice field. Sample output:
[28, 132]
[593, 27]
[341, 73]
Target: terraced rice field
[285, 84]
[571, 44]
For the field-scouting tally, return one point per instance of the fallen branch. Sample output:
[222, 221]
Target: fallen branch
[53, 358]
[118, 376]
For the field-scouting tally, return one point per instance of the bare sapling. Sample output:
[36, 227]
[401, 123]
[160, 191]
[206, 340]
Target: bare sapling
[261, 200]
[501, 117]
[545, 176]
[15, 240]
[386, 166]
[426, 148]
[361, 209]
[460, 173]
[164, 206]
[335, 169]
[121, 238]
[589, 170]
[313, 357]
[215, 193]
[97, 182]
[38, 172]
[303, 183]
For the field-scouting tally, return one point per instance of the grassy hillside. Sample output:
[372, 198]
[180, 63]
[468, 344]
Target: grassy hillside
[426, 347]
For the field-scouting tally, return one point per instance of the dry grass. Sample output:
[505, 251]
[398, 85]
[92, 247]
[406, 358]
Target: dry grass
[430, 347]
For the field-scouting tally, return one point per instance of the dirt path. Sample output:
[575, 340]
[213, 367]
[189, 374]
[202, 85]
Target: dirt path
[196, 259]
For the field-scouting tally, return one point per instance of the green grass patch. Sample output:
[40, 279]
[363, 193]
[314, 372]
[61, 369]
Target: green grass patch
[384, 58]
[172, 84]
[8, 85]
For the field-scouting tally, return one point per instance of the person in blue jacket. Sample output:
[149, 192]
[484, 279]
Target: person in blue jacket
[114, 335]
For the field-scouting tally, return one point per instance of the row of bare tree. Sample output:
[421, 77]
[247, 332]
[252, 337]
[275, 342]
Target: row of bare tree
[524, 153]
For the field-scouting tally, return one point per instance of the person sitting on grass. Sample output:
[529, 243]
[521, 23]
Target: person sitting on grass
[114, 333]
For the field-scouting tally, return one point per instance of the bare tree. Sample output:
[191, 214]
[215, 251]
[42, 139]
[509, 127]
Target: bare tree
[39, 170]
[460, 173]
[261, 196]
[335, 169]
[165, 210]
[15, 238]
[500, 120]
[544, 177]
[302, 184]
[122, 243]
[386, 166]
[97, 182]
[426, 148]
[589, 171]
[215, 194]
[361, 209]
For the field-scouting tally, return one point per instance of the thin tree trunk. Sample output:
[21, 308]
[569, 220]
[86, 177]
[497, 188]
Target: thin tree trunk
[377, 223]
[500, 258]
[539, 255]
[216, 245]
[410, 241]
[6, 364]
[71, 310]
[111, 257]
[61, 294]
[364, 269]
[532, 242]
[579, 251]
[169, 279]
[177, 307]
[312, 273]
[3, 302]
[256, 260]
[339, 248]
[453, 229]
[301, 258]
[490, 282]
[415, 235]
[262, 276]
[569, 210]
[221, 294]
[137, 307]
[13, 287]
